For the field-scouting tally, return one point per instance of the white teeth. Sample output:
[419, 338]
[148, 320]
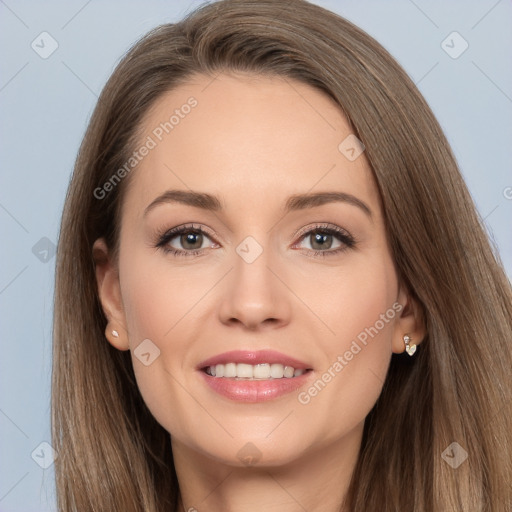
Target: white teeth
[288, 371]
[230, 370]
[258, 371]
[276, 371]
[243, 370]
[261, 371]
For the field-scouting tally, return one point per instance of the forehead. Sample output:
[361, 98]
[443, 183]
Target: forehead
[251, 140]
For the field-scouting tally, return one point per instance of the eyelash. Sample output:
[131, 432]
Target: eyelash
[343, 236]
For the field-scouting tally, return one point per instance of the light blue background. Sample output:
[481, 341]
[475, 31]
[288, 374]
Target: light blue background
[45, 105]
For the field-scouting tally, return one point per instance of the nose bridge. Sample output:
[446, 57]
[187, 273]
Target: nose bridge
[253, 294]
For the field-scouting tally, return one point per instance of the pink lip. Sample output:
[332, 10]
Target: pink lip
[242, 390]
[253, 357]
[255, 390]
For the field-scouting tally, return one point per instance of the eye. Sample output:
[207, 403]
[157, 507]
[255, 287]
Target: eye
[193, 240]
[325, 240]
[188, 240]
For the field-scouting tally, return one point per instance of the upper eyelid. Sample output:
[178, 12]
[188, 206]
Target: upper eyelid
[188, 227]
[327, 226]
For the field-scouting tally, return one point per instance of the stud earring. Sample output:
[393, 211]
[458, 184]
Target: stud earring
[115, 334]
[410, 349]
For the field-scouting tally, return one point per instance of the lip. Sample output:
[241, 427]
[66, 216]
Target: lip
[254, 357]
[252, 391]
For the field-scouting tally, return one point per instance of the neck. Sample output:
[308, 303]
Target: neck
[315, 481]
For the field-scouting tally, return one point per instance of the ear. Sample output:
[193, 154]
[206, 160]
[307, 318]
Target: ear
[109, 292]
[410, 321]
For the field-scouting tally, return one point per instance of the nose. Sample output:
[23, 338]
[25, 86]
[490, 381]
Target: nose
[254, 297]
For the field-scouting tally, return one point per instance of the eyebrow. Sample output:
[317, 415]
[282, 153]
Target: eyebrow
[302, 201]
[295, 202]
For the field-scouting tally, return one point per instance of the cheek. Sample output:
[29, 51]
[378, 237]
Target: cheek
[358, 308]
[364, 312]
[156, 295]
[352, 301]
[159, 302]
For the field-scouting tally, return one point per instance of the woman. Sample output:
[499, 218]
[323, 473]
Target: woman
[273, 289]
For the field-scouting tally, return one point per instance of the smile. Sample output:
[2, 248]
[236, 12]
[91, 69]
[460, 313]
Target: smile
[263, 371]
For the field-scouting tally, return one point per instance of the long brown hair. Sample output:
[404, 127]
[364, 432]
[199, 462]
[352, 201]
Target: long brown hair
[113, 455]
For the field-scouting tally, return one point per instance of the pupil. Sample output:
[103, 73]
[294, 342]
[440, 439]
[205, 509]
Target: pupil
[320, 241]
[189, 239]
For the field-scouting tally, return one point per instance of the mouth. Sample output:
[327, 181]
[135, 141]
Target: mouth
[249, 376]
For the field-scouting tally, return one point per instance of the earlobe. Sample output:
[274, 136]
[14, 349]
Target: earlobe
[109, 293]
[409, 330]
[116, 337]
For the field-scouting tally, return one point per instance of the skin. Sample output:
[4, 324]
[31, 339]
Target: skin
[254, 141]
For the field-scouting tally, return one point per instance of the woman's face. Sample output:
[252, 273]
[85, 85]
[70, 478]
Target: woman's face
[283, 262]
